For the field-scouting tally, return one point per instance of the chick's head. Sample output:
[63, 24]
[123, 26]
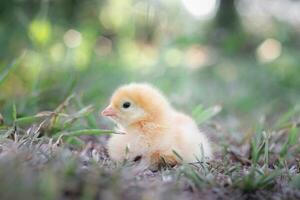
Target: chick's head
[134, 102]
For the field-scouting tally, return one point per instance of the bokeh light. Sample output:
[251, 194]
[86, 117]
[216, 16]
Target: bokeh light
[103, 46]
[72, 38]
[201, 8]
[268, 50]
[40, 31]
[173, 57]
[197, 57]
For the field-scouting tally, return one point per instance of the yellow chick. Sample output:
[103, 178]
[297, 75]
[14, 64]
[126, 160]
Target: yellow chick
[154, 130]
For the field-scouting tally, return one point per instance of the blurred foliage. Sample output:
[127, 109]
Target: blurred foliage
[247, 63]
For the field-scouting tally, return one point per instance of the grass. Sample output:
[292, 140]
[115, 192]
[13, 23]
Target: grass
[53, 155]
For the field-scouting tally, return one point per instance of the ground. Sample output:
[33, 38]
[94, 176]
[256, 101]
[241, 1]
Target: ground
[75, 165]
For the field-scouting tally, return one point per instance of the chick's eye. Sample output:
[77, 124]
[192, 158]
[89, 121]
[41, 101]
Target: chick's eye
[126, 105]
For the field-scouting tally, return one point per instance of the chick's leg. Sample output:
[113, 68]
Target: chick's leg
[162, 159]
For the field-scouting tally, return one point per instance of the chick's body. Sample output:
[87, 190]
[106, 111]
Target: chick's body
[154, 130]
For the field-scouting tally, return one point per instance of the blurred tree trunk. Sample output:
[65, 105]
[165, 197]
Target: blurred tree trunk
[227, 17]
[227, 31]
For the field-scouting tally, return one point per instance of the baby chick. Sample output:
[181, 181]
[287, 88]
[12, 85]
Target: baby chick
[154, 130]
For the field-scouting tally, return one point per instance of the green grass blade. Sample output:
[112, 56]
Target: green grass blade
[292, 140]
[6, 71]
[202, 115]
[293, 135]
[266, 148]
[27, 120]
[177, 155]
[14, 112]
[9, 67]
[90, 118]
[90, 132]
[286, 117]
[84, 132]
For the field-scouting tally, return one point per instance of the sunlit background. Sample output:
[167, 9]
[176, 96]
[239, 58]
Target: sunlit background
[242, 55]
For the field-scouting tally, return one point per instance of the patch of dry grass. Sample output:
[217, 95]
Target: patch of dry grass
[60, 155]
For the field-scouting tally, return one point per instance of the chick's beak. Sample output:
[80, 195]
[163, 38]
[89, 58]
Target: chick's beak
[109, 112]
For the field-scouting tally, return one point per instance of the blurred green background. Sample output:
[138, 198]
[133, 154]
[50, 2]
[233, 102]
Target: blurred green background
[243, 55]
